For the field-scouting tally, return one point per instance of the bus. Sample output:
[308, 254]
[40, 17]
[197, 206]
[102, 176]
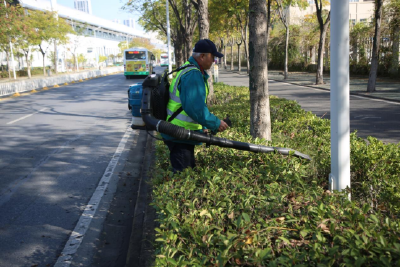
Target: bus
[138, 61]
[164, 60]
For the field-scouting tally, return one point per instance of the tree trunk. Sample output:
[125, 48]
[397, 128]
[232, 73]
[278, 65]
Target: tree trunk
[28, 62]
[43, 55]
[225, 56]
[394, 66]
[286, 52]
[269, 3]
[204, 28]
[355, 50]
[375, 48]
[186, 31]
[239, 63]
[323, 27]
[246, 49]
[204, 25]
[8, 65]
[76, 62]
[321, 48]
[188, 45]
[44, 68]
[260, 120]
[232, 56]
[178, 53]
[55, 57]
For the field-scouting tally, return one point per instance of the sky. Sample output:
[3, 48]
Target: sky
[106, 9]
[111, 9]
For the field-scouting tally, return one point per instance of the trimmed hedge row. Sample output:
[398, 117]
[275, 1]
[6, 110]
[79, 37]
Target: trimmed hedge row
[244, 209]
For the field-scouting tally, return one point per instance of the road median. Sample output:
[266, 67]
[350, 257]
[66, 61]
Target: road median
[12, 88]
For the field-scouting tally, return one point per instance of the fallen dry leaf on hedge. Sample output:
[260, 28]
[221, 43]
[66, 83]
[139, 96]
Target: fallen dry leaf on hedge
[280, 219]
[231, 215]
[324, 228]
[249, 240]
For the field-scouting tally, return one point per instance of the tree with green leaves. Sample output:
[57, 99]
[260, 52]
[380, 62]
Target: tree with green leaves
[203, 21]
[82, 59]
[375, 48]
[221, 26]
[260, 119]
[28, 39]
[283, 11]
[123, 46]
[393, 13]
[231, 19]
[204, 28]
[323, 28]
[76, 40]
[48, 29]
[141, 42]
[187, 23]
[183, 22]
[360, 34]
[11, 28]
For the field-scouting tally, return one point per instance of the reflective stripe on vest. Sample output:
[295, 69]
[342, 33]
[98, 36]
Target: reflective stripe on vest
[182, 119]
[174, 95]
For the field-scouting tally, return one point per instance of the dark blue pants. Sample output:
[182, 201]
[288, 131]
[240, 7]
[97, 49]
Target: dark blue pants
[181, 155]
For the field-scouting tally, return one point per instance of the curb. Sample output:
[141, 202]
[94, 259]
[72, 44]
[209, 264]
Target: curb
[140, 249]
[328, 90]
[351, 93]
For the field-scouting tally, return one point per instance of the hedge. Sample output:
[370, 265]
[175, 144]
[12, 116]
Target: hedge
[245, 209]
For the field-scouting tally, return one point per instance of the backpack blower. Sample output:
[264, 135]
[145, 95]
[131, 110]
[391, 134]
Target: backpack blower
[155, 95]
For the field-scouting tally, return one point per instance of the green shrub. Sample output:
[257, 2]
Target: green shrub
[245, 209]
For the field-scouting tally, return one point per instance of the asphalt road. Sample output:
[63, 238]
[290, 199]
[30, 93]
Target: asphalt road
[61, 153]
[370, 117]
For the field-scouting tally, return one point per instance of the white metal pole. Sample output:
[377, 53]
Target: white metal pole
[11, 48]
[169, 42]
[54, 8]
[340, 96]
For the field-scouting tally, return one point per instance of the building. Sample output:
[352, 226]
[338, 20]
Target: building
[83, 5]
[101, 36]
[129, 23]
[359, 11]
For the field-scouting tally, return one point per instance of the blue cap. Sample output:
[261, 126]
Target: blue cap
[206, 46]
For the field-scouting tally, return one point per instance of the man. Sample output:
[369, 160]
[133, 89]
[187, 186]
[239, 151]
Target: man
[188, 96]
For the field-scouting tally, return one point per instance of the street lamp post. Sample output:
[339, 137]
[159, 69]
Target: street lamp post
[340, 98]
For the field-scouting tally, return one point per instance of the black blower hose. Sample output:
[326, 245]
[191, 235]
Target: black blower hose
[182, 134]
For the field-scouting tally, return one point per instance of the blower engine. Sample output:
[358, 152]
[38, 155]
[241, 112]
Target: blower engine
[149, 91]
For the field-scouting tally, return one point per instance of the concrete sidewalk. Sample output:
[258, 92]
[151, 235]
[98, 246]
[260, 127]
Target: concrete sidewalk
[386, 88]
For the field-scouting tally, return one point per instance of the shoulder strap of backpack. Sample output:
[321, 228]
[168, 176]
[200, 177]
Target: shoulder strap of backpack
[182, 67]
[176, 113]
[179, 110]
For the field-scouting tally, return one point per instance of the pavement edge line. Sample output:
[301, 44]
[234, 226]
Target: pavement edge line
[85, 219]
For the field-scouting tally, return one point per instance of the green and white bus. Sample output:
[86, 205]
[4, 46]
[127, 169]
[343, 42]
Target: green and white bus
[138, 61]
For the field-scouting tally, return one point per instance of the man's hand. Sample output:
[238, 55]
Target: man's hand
[223, 126]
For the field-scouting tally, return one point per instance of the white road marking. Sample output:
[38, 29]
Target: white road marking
[376, 99]
[363, 97]
[83, 224]
[364, 117]
[27, 116]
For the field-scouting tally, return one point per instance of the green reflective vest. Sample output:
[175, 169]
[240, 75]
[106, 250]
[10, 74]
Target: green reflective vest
[174, 103]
